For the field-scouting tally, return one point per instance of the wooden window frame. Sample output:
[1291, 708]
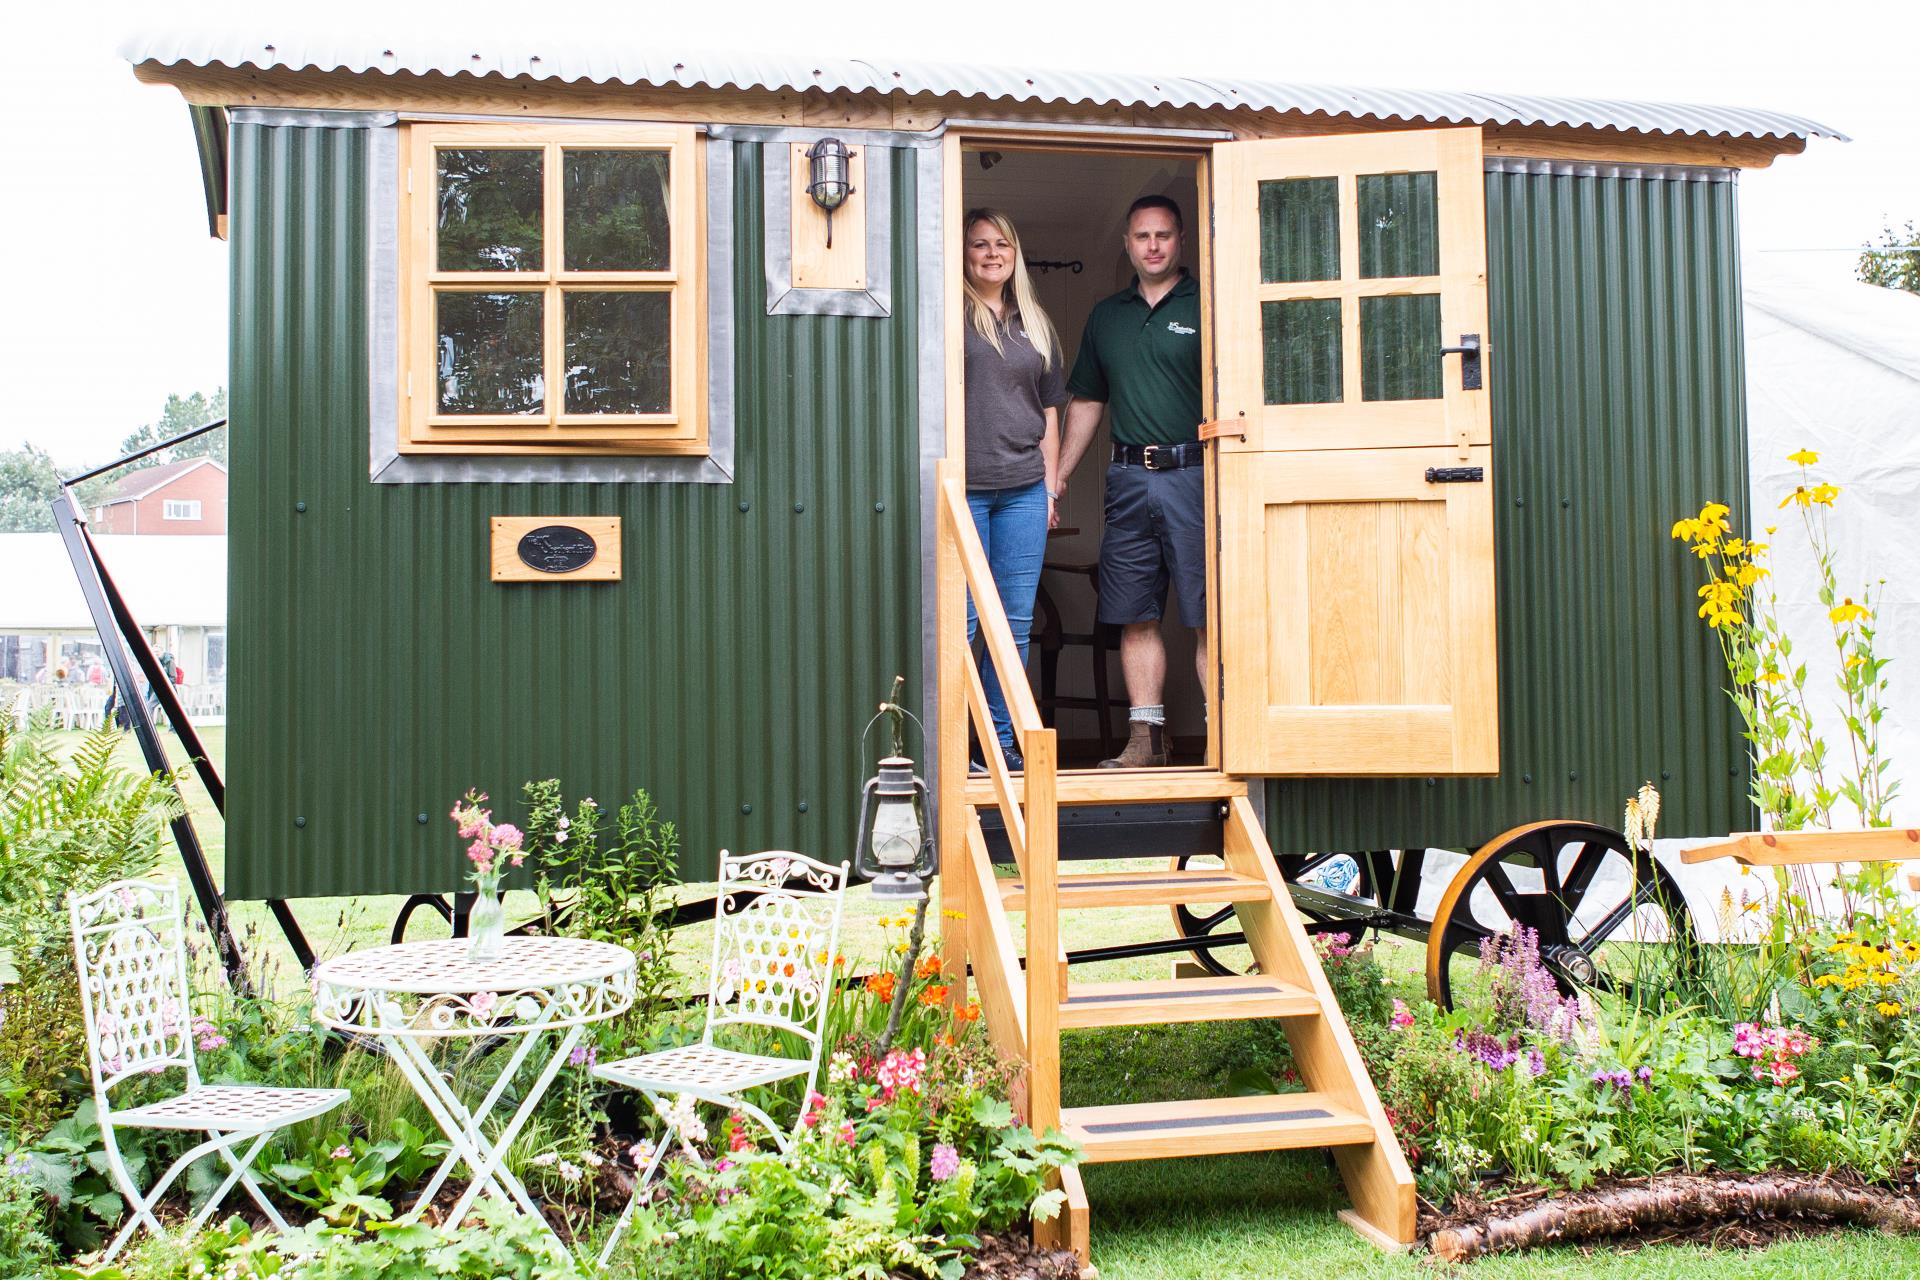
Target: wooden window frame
[682, 430]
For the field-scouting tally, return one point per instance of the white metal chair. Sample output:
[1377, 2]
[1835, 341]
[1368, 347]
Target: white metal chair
[129, 942]
[773, 950]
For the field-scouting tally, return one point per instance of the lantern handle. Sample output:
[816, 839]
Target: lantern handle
[887, 709]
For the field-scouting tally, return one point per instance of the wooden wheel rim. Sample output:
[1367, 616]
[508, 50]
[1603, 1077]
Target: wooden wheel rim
[1440, 949]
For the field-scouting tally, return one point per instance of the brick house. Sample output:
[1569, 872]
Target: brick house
[189, 496]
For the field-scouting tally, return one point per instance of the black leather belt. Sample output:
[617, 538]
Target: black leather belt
[1160, 457]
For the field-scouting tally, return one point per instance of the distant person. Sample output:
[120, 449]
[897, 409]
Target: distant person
[1014, 394]
[1140, 357]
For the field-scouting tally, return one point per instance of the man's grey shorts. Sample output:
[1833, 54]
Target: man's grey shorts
[1156, 534]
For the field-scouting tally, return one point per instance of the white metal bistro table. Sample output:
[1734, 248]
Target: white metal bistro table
[411, 993]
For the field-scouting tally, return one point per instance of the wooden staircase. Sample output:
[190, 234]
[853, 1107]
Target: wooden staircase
[1027, 998]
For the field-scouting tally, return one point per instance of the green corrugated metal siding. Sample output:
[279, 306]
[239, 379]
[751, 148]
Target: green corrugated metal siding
[1618, 406]
[377, 672]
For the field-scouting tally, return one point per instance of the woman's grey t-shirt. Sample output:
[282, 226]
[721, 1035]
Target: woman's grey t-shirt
[1008, 394]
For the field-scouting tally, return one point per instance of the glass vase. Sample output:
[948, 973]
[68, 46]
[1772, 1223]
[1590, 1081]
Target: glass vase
[487, 923]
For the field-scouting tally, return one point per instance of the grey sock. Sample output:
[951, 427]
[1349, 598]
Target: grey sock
[1156, 714]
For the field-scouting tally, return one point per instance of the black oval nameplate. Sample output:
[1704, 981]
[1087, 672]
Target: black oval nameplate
[558, 548]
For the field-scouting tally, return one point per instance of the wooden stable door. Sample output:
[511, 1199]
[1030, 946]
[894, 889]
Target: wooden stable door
[1355, 487]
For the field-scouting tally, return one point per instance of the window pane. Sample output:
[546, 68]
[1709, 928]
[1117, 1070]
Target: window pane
[1400, 348]
[616, 210]
[490, 209]
[1302, 340]
[489, 352]
[619, 352]
[1399, 226]
[1300, 229]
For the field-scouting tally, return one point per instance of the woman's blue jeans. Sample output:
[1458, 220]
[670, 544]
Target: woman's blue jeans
[1013, 530]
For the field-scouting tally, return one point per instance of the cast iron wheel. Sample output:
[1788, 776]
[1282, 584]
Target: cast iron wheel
[1202, 920]
[1608, 916]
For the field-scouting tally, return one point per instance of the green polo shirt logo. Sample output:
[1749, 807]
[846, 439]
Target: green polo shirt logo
[1143, 363]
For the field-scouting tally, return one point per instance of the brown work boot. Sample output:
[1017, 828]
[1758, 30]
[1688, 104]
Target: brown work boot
[1146, 748]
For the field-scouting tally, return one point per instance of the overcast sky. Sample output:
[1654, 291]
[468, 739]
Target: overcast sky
[119, 295]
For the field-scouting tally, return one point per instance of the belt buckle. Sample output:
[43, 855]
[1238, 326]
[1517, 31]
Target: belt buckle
[1148, 455]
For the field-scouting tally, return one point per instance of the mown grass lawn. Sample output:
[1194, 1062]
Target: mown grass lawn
[1260, 1215]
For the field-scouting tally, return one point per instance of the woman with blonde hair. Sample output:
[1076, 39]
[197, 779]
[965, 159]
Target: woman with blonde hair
[1015, 389]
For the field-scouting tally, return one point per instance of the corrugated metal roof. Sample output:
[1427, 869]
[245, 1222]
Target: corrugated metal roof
[606, 60]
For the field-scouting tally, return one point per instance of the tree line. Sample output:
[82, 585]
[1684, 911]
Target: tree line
[29, 480]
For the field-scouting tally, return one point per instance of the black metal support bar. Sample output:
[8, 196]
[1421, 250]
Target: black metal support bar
[117, 463]
[92, 577]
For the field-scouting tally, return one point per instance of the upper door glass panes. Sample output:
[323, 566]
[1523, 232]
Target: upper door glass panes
[1299, 230]
[1350, 297]
[1399, 225]
[490, 209]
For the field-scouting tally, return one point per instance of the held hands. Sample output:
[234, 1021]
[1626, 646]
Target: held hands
[1053, 511]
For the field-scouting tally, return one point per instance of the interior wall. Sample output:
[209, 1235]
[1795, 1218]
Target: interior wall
[1072, 208]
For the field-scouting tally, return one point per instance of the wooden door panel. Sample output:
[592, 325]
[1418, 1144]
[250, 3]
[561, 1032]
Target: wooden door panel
[1355, 568]
[1362, 639]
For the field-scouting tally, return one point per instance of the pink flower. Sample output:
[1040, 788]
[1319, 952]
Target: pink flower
[846, 1132]
[1402, 1016]
[816, 1108]
[901, 1072]
[483, 1002]
[722, 1165]
[507, 836]
[340, 1152]
[945, 1163]
[739, 1139]
[481, 854]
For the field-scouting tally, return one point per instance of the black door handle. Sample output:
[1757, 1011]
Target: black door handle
[1469, 353]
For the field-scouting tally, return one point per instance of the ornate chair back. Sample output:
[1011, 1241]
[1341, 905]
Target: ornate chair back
[130, 946]
[776, 929]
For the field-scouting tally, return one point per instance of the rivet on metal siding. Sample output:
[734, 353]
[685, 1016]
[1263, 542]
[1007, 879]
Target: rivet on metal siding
[746, 506]
[1433, 782]
[1666, 775]
[300, 821]
[420, 818]
[798, 507]
[802, 806]
[746, 808]
[1519, 502]
[301, 507]
[879, 506]
[1573, 775]
[1527, 778]
[1566, 502]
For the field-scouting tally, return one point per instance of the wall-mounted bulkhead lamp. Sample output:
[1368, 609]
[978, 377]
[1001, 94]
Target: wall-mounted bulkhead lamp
[829, 177]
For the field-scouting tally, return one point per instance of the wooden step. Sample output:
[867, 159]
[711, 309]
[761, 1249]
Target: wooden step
[1145, 887]
[1209, 999]
[1118, 786]
[1214, 1126]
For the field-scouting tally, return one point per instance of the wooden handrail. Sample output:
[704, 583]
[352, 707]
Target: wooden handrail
[1031, 813]
[996, 963]
[997, 770]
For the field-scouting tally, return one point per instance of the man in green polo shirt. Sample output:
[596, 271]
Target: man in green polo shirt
[1140, 360]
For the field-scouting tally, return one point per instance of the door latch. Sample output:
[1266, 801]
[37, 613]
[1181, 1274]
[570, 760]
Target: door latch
[1456, 475]
[1469, 353]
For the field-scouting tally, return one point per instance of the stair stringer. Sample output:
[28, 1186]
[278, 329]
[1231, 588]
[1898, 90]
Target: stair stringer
[1377, 1177]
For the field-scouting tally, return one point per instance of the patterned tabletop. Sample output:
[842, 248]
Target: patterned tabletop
[432, 988]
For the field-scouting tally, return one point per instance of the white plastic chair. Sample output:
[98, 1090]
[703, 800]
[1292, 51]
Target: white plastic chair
[772, 967]
[130, 944]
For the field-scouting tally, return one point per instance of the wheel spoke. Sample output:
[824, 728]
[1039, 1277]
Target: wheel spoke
[1586, 865]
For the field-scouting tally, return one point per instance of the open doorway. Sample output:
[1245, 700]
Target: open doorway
[1070, 208]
